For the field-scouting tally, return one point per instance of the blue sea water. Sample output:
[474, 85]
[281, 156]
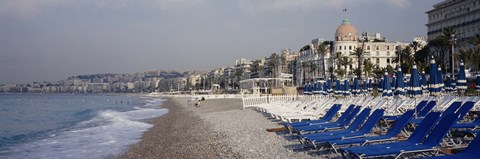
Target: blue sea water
[72, 126]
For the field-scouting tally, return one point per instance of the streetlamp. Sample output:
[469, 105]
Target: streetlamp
[453, 57]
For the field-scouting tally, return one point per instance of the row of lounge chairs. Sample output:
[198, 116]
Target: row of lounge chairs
[371, 128]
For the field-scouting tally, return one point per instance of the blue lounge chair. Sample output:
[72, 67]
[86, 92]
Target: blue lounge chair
[313, 129]
[472, 125]
[464, 109]
[416, 136]
[418, 108]
[470, 152]
[423, 112]
[399, 148]
[345, 119]
[326, 118]
[450, 110]
[350, 132]
[389, 136]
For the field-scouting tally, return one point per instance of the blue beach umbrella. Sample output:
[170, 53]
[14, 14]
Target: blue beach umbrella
[346, 88]
[329, 87]
[364, 87]
[400, 86]
[423, 82]
[434, 87]
[387, 90]
[338, 88]
[462, 80]
[440, 78]
[355, 87]
[415, 89]
[380, 86]
[394, 83]
[370, 87]
[316, 88]
[448, 85]
[325, 88]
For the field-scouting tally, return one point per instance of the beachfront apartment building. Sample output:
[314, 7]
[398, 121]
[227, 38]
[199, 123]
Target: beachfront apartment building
[461, 15]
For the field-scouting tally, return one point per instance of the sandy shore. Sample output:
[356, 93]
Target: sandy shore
[219, 128]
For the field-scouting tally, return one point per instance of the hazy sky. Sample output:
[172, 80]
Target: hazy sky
[49, 40]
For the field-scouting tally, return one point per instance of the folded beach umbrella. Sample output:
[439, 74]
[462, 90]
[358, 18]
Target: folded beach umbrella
[415, 89]
[433, 86]
[355, 87]
[448, 85]
[477, 87]
[338, 88]
[380, 86]
[462, 80]
[329, 87]
[400, 86]
[387, 88]
[316, 88]
[346, 88]
[440, 78]
[394, 83]
[364, 87]
[423, 82]
[308, 89]
[325, 88]
[370, 87]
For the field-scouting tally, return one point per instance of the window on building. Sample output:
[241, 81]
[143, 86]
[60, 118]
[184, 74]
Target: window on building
[339, 47]
[349, 47]
[388, 60]
[388, 47]
[378, 61]
[344, 47]
[351, 67]
[378, 53]
[377, 48]
[368, 47]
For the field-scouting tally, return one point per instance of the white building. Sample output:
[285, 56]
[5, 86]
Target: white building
[462, 15]
[376, 48]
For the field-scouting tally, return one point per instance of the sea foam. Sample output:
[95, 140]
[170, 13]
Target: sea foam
[107, 134]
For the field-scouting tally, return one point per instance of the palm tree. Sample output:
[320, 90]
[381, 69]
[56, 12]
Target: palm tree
[322, 51]
[346, 61]
[368, 67]
[273, 64]
[304, 66]
[475, 60]
[313, 68]
[358, 52]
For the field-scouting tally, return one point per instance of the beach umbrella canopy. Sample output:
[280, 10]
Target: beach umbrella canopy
[440, 78]
[370, 87]
[329, 87]
[462, 80]
[325, 88]
[434, 87]
[400, 86]
[448, 85]
[346, 88]
[380, 86]
[364, 87]
[394, 83]
[316, 88]
[387, 90]
[415, 89]
[338, 88]
[355, 87]
[423, 82]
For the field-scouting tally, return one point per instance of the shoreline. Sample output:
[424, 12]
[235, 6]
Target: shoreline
[178, 134]
[218, 128]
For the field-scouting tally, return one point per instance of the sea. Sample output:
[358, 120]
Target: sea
[49, 126]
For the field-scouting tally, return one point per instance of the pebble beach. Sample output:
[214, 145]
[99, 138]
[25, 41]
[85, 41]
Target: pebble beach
[217, 128]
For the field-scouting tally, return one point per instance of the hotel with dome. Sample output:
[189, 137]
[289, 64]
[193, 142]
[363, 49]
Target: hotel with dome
[376, 48]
